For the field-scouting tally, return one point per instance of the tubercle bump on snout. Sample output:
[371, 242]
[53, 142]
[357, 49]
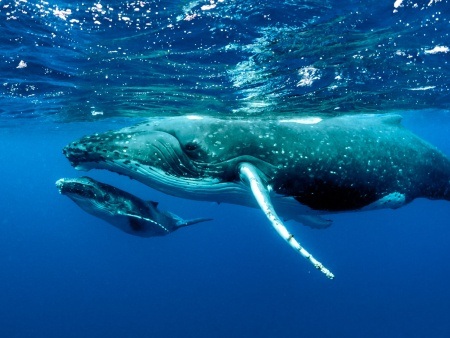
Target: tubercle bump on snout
[79, 152]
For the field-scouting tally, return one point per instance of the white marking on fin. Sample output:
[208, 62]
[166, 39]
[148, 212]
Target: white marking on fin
[394, 200]
[249, 174]
[146, 219]
[303, 120]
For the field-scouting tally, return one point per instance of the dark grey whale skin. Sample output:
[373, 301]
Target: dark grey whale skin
[338, 164]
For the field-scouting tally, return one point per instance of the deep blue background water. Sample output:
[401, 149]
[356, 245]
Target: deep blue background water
[65, 273]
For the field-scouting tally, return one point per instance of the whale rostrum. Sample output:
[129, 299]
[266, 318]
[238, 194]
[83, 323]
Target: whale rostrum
[299, 168]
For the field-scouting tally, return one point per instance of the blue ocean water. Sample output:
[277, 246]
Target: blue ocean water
[73, 68]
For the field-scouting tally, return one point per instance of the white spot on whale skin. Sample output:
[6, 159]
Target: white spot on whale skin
[303, 120]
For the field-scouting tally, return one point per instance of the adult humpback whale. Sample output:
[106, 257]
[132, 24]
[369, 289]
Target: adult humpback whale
[297, 168]
[122, 209]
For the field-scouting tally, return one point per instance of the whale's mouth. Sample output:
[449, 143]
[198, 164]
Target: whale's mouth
[60, 185]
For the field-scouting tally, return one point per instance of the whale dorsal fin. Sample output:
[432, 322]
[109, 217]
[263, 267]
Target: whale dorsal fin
[153, 203]
[392, 119]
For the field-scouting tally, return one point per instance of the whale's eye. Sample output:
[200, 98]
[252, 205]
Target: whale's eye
[195, 151]
[191, 146]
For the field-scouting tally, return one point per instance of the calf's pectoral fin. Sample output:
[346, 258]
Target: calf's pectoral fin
[137, 217]
[249, 175]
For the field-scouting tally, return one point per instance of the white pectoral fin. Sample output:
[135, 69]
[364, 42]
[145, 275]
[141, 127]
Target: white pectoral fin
[249, 174]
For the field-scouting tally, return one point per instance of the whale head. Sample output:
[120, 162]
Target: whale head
[86, 192]
[197, 155]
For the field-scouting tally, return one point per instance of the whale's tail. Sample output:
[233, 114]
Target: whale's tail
[180, 222]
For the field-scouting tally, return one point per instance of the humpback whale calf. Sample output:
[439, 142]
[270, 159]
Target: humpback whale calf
[297, 168]
[120, 208]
